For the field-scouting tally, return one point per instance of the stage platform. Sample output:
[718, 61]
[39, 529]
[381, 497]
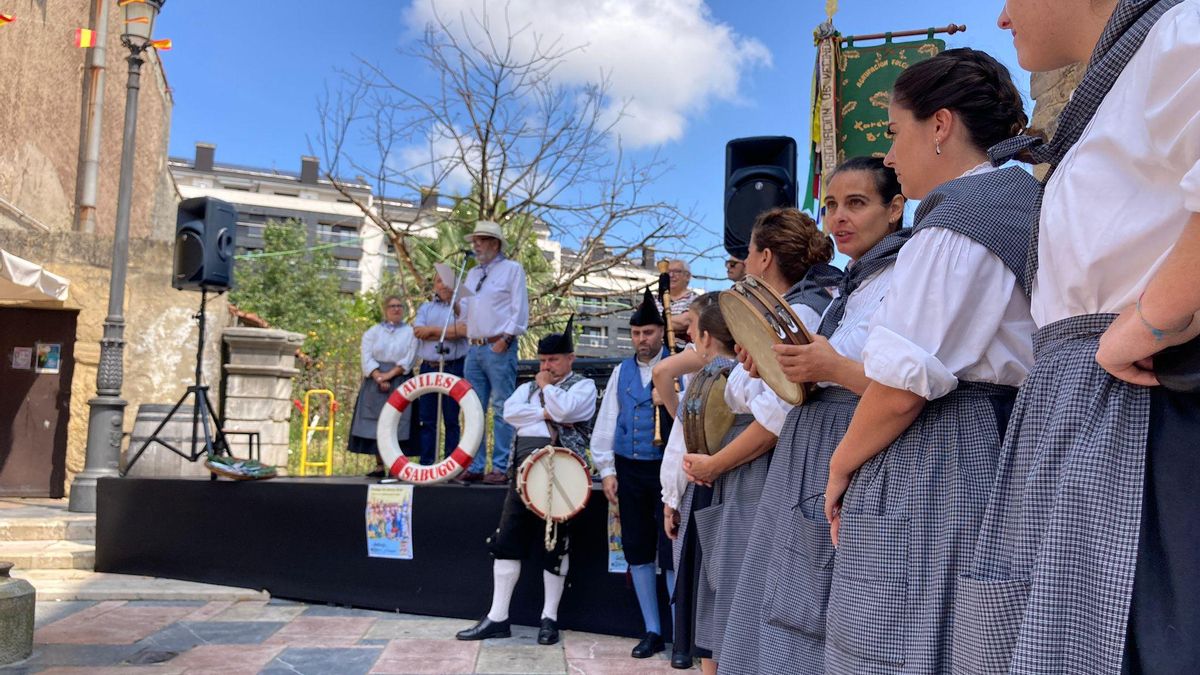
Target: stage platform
[305, 539]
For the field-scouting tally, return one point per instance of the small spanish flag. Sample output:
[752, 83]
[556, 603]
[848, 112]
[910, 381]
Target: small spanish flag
[7, 18]
[85, 37]
[162, 45]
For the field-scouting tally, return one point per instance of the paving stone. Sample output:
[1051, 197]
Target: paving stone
[45, 613]
[120, 625]
[520, 660]
[79, 655]
[423, 628]
[626, 666]
[182, 636]
[332, 610]
[221, 659]
[259, 611]
[308, 661]
[209, 610]
[165, 603]
[326, 631]
[590, 646]
[417, 657]
[124, 670]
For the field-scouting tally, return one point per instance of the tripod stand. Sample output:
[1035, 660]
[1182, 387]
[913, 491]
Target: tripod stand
[202, 410]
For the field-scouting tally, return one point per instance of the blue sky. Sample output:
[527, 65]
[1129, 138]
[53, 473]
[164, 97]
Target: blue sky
[246, 75]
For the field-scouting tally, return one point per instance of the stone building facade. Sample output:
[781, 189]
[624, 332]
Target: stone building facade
[47, 88]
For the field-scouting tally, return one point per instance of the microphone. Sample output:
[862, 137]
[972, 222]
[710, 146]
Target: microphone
[467, 252]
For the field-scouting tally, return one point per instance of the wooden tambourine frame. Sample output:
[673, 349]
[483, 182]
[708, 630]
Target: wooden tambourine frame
[759, 318]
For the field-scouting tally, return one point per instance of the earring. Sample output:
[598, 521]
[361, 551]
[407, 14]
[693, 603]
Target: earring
[937, 146]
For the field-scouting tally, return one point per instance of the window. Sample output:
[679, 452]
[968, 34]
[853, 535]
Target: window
[624, 339]
[591, 304]
[346, 264]
[328, 232]
[594, 336]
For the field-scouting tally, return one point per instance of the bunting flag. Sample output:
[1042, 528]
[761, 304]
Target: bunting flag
[162, 45]
[85, 38]
[7, 18]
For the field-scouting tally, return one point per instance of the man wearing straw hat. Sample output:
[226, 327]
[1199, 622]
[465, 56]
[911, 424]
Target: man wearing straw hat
[496, 314]
[443, 348]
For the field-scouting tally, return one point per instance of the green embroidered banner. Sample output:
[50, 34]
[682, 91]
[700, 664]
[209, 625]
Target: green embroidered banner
[865, 79]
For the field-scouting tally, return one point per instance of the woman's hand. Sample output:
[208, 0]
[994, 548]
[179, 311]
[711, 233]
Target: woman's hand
[1127, 346]
[817, 361]
[747, 361]
[835, 490]
[671, 522]
[701, 469]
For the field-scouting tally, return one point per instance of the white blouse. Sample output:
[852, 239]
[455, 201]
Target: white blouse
[389, 343]
[1122, 195]
[955, 312]
[566, 406]
[670, 474]
[848, 340]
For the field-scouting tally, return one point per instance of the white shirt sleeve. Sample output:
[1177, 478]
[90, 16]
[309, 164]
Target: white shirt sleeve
[408, 356]
[604, 431]
[741, 389]
[770, 411]
[568, 406]
[367, 349]
[518, 320]
[948, 297]
[1171, 111]
[520, 411]
[670, 474]
[808, 316]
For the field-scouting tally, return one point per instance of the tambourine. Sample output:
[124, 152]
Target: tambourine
[759, 319]
[706, 416]
[554, 483]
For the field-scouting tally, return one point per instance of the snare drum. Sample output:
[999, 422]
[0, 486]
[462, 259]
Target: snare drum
[759, 318]
[706, 416]
[554, 483]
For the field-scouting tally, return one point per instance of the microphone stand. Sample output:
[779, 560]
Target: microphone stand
[442, 350]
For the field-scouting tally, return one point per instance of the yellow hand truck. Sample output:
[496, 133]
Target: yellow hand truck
[311, 426]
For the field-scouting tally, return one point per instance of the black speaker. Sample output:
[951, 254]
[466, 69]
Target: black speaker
[204, 241]
[760, 174]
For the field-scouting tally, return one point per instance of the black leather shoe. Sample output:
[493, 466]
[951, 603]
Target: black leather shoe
[681, 660]
[548, 635]
[486, 628]
[649, 646]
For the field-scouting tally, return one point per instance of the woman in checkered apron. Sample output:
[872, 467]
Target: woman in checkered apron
[1088, 560]
[777, 620]
[945, 352]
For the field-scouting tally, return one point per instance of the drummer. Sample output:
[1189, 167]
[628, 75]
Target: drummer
[628, 461]
[556, 408]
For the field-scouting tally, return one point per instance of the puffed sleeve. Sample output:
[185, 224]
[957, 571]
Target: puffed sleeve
[367, 349]
[568, 406]
[1171, 110]
[605, 428]
[770, 411]
[519, 411]
[947, 299]
[670, 474]
[808, 316]
[741, 389]
[408, 354]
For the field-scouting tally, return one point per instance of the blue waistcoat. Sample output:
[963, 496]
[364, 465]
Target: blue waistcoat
[634, 438]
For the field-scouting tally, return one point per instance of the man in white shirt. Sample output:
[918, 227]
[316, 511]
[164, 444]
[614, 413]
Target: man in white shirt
[629, 462]
[555, 409]
[496, 313]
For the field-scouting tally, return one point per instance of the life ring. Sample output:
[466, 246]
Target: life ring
[472, 429]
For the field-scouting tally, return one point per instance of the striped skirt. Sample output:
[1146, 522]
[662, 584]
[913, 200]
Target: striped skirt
[909, 523]
[777, 621]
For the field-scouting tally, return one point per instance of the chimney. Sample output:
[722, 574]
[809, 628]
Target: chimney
[309, 168]
[648, 261]
[204, 156]
[429, 199]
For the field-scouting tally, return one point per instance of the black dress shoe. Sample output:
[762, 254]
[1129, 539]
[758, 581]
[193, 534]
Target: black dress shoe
[548, 635]
[486, 628]
[649, 646]
[681, 660]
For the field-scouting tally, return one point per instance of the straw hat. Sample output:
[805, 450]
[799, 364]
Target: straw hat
[487, 228]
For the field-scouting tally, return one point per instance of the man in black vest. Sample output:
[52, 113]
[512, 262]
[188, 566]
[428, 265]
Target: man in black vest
[554, 409]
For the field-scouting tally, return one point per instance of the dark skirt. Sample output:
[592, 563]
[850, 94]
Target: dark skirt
[909, 522]
[367, 407]
[777, 621]
[1093, 514]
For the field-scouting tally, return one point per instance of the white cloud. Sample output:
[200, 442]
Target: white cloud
[668, 59]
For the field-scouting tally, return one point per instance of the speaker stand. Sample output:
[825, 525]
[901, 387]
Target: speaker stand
[202, 411]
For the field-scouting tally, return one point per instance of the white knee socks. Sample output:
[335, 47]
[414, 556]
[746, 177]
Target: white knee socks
[552, 587]
[504, 579]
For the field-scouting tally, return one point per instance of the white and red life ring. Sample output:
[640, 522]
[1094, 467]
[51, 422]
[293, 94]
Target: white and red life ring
[472, 428]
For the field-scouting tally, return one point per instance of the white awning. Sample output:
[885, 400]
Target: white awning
[22, 282]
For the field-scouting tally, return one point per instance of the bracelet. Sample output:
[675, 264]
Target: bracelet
[1158, 333]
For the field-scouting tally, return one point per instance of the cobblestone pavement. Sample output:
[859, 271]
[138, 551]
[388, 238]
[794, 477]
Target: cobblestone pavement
[278, 636]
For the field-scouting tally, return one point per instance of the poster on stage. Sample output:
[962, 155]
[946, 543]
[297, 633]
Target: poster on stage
[22, 358]
[616, 553]
[49, 357]
[389, 521]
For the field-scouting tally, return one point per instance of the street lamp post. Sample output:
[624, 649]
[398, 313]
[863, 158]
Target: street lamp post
[106, 415]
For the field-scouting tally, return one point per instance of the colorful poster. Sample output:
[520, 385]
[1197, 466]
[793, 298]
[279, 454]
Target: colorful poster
[49, 357]
[389, 521]
[22, 358]
[616, 553]
[864, 88]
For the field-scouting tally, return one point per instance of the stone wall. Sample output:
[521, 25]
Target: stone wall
[258, 394]
[1050, 92]
[160, 334]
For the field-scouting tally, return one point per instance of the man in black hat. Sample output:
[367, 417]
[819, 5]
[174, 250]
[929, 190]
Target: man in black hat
[625, 453]
[556, 408]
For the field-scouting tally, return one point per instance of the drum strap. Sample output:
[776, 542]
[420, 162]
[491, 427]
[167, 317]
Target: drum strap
[551, 538]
